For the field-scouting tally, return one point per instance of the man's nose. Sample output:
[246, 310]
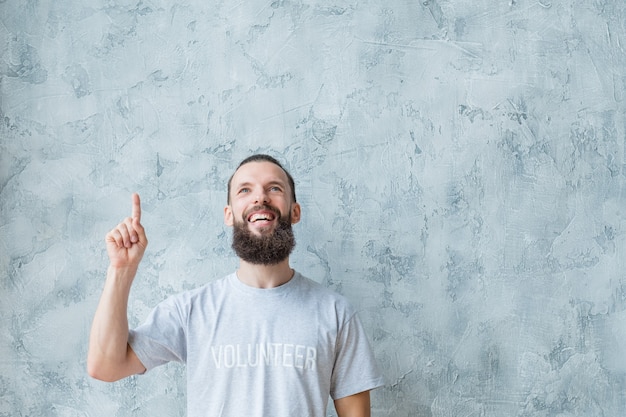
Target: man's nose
[261, 197]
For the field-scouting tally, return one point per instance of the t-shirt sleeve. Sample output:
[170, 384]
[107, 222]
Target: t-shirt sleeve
[161, 338]
[355, 368]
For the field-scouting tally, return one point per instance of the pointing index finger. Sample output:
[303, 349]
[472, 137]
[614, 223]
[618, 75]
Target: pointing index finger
[136, 208]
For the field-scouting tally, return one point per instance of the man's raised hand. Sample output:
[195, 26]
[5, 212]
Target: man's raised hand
[127, 242]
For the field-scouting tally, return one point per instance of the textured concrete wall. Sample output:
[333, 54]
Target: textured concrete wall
[460, 164]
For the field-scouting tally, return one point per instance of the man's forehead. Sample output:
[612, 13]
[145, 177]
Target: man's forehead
[259, 171]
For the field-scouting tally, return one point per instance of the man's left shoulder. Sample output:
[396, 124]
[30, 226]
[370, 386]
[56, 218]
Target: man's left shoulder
[323, 293]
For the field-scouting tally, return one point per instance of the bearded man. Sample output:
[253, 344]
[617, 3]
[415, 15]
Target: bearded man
[264, 341]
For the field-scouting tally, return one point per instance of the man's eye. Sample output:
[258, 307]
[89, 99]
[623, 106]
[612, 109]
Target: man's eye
[244, 190]
[276, 189]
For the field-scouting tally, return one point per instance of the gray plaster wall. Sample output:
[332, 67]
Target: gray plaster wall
[460, 164]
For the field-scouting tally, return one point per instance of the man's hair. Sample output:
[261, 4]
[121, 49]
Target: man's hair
[263, 158]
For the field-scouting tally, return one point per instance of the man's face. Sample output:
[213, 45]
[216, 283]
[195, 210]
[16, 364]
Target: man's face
[261, 213]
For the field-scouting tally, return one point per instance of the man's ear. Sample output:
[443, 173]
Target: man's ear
[228, 216]
[295, 213]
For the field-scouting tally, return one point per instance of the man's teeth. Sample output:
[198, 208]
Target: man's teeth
[256, 217]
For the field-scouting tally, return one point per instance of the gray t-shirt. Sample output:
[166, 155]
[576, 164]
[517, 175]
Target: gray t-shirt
[253, 352]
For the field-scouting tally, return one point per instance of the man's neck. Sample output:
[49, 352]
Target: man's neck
[265, 276]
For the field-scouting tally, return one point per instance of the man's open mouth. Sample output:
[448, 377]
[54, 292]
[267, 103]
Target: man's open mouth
[255, 217]
[262, 215]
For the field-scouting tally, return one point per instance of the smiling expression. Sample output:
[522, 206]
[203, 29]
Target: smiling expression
[259, 197]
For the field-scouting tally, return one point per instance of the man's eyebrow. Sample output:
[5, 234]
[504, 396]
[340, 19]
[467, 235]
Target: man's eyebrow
[249, 183]
[241, 184]
[277, 182]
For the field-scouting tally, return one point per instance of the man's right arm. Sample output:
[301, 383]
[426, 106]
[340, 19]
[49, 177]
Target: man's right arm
[110, 357]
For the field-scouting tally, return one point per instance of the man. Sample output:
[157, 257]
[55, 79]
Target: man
[262, 342]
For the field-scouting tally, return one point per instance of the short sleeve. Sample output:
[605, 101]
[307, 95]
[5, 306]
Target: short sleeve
[161, 338]
[355, 368]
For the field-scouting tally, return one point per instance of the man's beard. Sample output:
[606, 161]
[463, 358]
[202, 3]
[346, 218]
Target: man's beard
[269, 249]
